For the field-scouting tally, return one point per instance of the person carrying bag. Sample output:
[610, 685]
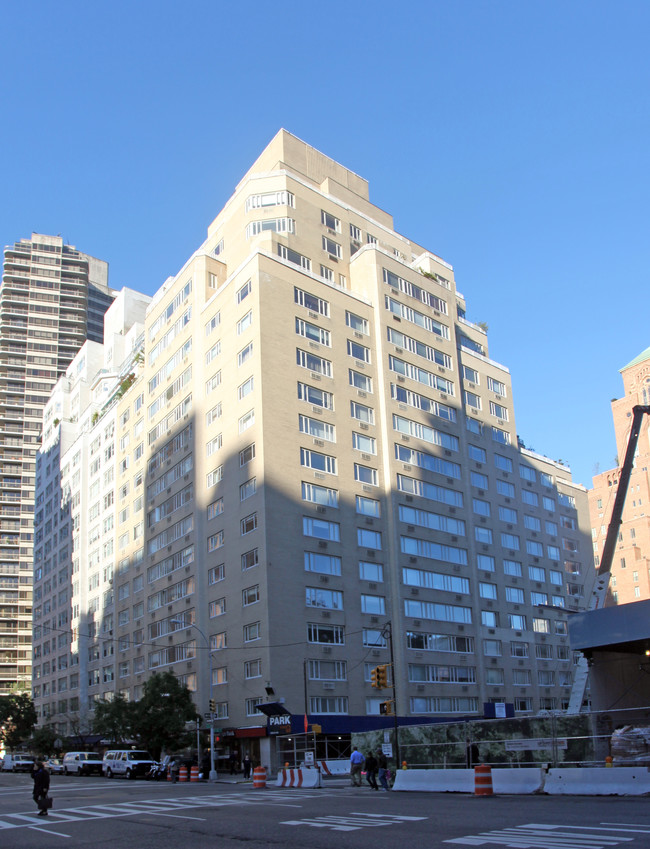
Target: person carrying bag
[41, 779]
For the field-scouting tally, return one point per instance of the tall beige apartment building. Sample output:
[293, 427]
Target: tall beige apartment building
[52, 298]
[313, 443]
[630, 576]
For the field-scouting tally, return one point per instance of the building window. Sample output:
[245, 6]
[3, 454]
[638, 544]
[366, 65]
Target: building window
[251, 707]
[250, 595]
[330, 221]
[374, 604]
[249, 559]
[357, 323]
[253, 668]
[252, 632]
[320, 495]
[246, 454]
[332, 248]
[320, 462]
[321, 529]
[326, 634]
[311, 302]
[248, 524]
[217, 608]
[313, 332]
[317, 428]
[324, 564]
[325, 599]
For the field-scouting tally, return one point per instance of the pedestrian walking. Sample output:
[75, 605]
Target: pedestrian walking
[371, 770]
[382, 763]
[41, 779]
[357, 761]
[233, 762]
[248, 763]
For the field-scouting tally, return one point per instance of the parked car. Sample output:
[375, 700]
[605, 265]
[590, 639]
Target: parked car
[18, 763]
[130, 763]
[54, 765]
[82, 763]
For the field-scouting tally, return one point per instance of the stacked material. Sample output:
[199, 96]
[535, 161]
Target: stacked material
[631, 746]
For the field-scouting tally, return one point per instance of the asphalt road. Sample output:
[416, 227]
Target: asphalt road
[142, 815]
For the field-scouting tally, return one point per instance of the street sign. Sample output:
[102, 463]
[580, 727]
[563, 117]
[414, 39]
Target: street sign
[309, 758]
[535, 744]
[387, 749]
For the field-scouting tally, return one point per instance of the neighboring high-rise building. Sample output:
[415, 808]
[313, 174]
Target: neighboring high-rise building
[630, 575]
[52, 298]
[313, 443]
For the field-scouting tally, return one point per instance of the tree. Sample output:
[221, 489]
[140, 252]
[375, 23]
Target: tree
[114, 719]
[43, 741]
[17, 718]
[81, 728]
[160, 715]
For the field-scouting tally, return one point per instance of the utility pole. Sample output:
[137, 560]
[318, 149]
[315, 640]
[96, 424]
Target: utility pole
[388, 631]
[184, 624]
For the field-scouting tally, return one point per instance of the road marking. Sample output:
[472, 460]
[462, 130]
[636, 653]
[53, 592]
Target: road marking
[353, 821]
[49, 831]
[158, 807]
[542, 836]
[179, 816]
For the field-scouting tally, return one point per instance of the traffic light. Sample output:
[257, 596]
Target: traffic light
[213, 706]
[386, 708]
[374, 676]
[382, 676]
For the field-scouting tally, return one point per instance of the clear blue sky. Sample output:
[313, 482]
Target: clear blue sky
[511, 138]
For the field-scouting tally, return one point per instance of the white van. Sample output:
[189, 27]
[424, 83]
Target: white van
[130, 763]
[17, 763]
[82, 763]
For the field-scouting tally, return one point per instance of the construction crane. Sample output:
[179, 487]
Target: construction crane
[599, 592]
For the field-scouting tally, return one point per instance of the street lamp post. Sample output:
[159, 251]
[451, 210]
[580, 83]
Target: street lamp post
[213, 771]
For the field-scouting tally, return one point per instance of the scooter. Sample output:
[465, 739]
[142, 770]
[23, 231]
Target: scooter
[158, 772]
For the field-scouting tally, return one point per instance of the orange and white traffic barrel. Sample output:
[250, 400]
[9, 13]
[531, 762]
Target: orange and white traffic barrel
[182, 773]
[194, 773]
[259, 777]
[482, 780]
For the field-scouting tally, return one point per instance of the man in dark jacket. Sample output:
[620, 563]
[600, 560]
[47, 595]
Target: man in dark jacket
[371, 770]
[41, 779]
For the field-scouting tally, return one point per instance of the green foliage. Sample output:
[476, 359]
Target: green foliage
[17, 718]
[125, 385]
[159, 717]
[114, 719]
[427, 274]
[43, 740]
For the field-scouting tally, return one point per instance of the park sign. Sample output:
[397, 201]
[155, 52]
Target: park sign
[278, 724]
[278, 718]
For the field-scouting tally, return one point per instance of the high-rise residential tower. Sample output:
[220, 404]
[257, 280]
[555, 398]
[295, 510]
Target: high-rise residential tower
[630, 570]
[314, 443]
[52, 298]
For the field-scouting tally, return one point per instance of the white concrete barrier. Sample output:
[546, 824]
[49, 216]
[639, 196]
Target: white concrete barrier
[338, 767]
[512, 780]
[598, 781]
[435, 780]
[298, 778]
[506, 780]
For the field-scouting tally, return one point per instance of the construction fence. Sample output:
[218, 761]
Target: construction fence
[553, 739]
